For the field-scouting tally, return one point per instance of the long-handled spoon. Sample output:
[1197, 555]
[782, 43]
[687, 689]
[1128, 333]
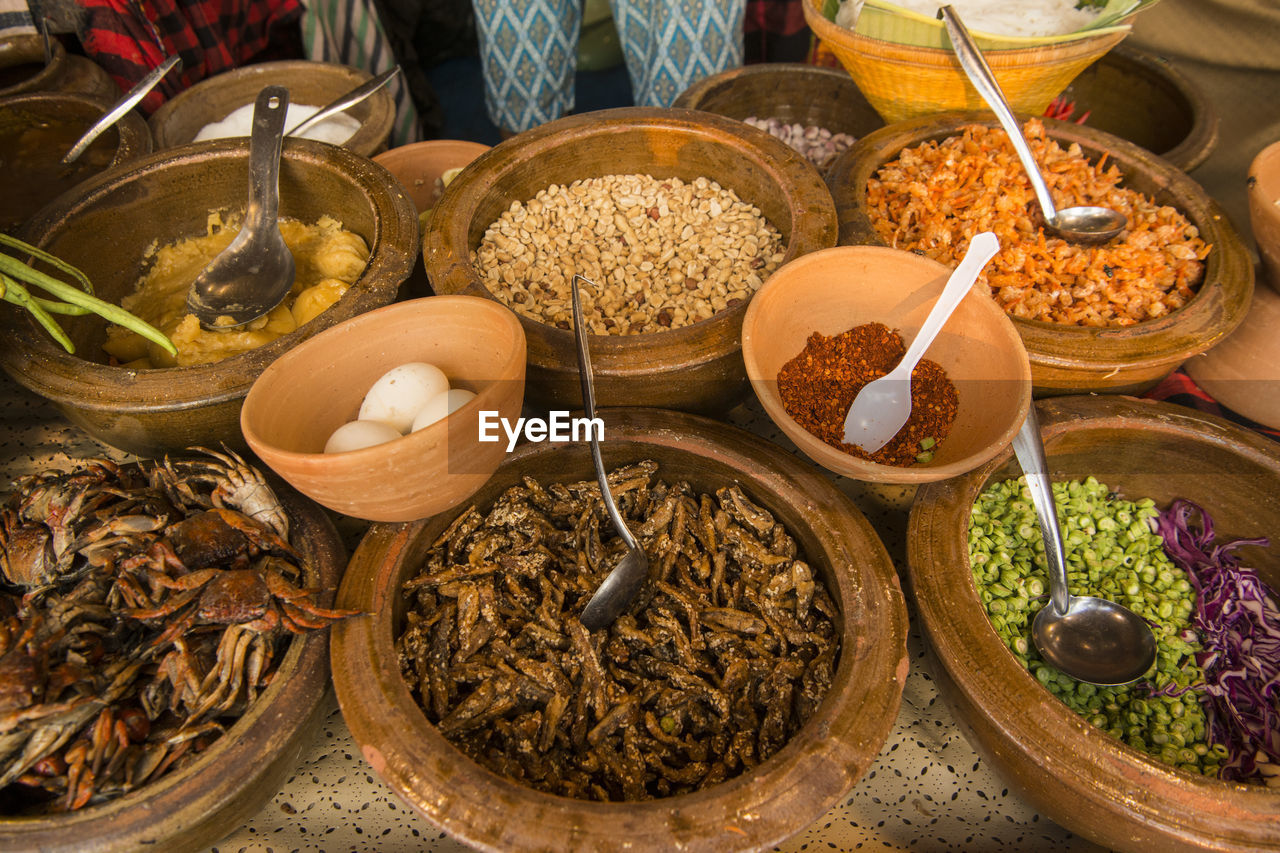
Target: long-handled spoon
[343, 102]
[253, 274]
[1084, 224]
[1090, 639]
[883, 405]
[122, 106]
[621, 585]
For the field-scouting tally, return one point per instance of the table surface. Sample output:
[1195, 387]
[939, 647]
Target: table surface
[928, 789]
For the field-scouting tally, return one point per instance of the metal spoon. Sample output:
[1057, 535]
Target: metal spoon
[350, 99]
[882, 406]
[254, 274]
[621, 585]
[1084, 224]
[1090, 639]
[122, 107]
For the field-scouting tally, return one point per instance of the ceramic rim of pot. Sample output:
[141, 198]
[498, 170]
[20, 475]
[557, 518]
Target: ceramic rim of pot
[454, 233]
[132, 132]
[62, 377]
[1219, 305]
[1103, 772]
[30, 48]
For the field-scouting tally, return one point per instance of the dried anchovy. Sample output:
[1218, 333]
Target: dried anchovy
[727, 651]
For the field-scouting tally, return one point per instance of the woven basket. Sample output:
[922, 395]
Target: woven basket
[902, 81]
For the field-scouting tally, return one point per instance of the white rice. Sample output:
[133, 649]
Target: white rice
[335, 130]
[1008, 17]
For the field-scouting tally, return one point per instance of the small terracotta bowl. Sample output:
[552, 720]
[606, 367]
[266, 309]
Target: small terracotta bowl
[697, 367]
[1077, 359]
[105, 227]
[191, 808]
[22, 65]
[754, 811]
[315, 83]
[1075, 774]
[1264, 209]
[837, 289]
[302, 397]
[1243, 372]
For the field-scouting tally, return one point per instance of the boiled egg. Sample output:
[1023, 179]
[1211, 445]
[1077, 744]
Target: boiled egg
[402, 392]
[441, 406]
[355, 435]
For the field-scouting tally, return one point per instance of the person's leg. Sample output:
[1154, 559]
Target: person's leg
[528, 53]
[670, 45]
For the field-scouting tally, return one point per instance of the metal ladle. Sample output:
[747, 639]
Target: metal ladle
[344, 102]
[255, 273]
[121, 107]
[1090, 639]
[1084, 224]
[621, 585]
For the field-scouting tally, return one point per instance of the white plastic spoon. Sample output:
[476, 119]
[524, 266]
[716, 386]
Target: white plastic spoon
[883, 405]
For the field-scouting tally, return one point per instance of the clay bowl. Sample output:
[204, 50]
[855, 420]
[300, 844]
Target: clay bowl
[1074, 774]
[794, 92]
[1264, 212]
[1243, 372]
[193, 807]
[105, 226]
[307, 393]
[315, 83]
[417, 166]
[37, 130]
[1072, 359]
[837, 289]
[781, 796]
[697, 367]
[22, 65]
[1141, 97]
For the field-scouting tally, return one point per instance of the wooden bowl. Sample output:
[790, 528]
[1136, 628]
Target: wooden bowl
[1264, 209]
[314, 83]
[38, 129]
[193, 807]
[778, 798]
[837, 289]
[794, 92]
[1073, 773]
[903, 81]
[1077, 359]
[105, 227]
[697, 367]
[317, 386]
[1143, 98]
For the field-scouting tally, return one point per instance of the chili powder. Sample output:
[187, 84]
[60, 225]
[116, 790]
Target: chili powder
[818, 386]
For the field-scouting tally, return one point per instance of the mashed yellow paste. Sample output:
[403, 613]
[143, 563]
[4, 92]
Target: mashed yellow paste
[328, 259]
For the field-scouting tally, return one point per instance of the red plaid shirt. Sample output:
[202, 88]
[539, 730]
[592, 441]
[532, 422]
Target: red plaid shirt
[128, 38]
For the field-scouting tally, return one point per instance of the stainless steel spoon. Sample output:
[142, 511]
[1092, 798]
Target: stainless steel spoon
[621, 585]
[121, 107]
[350, 99]
[253, 274]
[1090, 639]
[1084, 224]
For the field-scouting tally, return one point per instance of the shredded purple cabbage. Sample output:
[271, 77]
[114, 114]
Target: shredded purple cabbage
[1239, 630]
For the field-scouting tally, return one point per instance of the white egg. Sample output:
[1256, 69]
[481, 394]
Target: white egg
[401, 392]
[441, 406]
[354, 435]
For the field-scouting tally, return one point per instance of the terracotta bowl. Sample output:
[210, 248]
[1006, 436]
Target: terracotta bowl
[22, 65]
[1073, 773]
[781, 796]
[1264, 211]
[837, 289]
[903, 81]
[697, 367]
[315, 83]
[417, 166]
[1143, 98]
[105, 227]
[1243, 372]
[36, 131]
[303, 396]
[1075, 359]
[794, 92]
[193, 807]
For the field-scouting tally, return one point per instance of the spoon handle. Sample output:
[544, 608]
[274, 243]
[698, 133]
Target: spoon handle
[350, 99]
[265, 141]
[589, 404]
[122, 106]
[1029, 448]
[979, 73]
